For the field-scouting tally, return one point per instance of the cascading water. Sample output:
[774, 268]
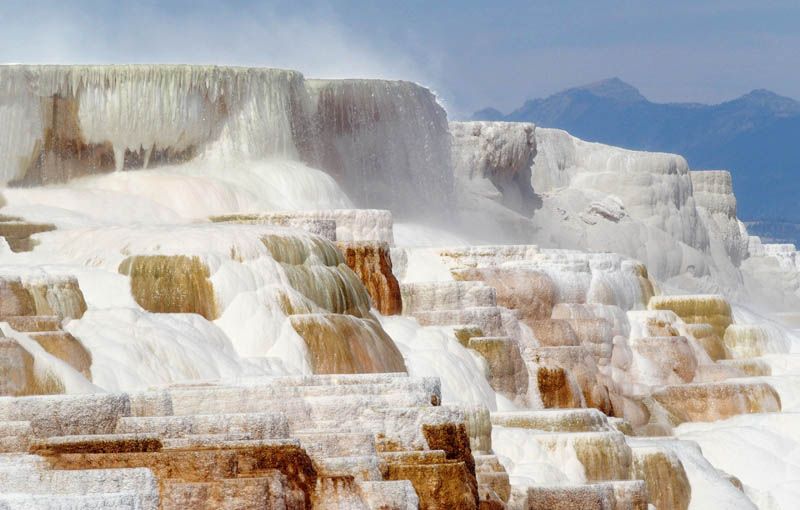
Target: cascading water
[164, 186]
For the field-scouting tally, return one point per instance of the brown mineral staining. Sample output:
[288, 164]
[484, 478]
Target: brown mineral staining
[579, 363]
[706, 335]
[645, 283]
[662, 471]
[554, 332]
[555, 389]
[492, 475]
[17, 369]
[605, 455]
[567, 420]
[15, 299]
[67, 348]
[507, 372]
[453, 439]
[531, 293]
[19, 378]
[296, 250]
[441, 483]
[17, 233]
[373, 265]
[716, 401]
[171, 284]
[33, 323]
[63, 152]
[46, 384]
[669, 355]
[444, 486]
[747, 341]
[62, 298]
[342, 344]
[100, 443]
[584, 497]
[464, 333]
[658, 327]
[335, 289]
[592, 331]
[38, 308]
[214, 465]
[697, 309]
[292, 304]
[749, 367]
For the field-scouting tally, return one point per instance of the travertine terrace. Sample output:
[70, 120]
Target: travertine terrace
[241, 288]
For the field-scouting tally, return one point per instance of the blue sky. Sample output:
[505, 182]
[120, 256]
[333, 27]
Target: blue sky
[472, 53]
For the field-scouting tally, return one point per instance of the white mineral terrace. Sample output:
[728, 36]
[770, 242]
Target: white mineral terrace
[239, 288]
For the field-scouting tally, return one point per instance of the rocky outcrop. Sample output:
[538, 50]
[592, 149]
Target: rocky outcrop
[41, 296]
[349, 225]
[697, 309]
[33, 308]
[602, 198]
[613, 474]
[548, 358]
[492, 160]
[72, 121]
[716, 401]
[269, 442]
[17, 232]
[342, 344]
[372, 263]
[171, 284]
[716, 204]
[528, 291]
[663, 472]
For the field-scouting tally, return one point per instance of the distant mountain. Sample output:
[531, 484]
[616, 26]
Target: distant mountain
[756, 137]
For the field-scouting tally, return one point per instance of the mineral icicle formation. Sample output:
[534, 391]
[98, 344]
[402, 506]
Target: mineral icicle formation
[239, 288]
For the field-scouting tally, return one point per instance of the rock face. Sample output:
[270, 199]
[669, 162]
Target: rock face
[611, 477]
[348, 224]
[599, 197]
[72, 121]
[528, 291]
[17, 232]
[245, 340]
[392, 135]
[717, 401]
[667, 484]
[329, 307]
[492, 160]
[37, 351]
[171, 284]
[713, 310]
[373, 264]
[713, 194]
[275, 444]
[341, 344]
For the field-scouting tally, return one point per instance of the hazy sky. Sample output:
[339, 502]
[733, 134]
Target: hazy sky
[472, 53]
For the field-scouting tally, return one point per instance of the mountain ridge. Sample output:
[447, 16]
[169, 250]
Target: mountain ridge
[754, 136]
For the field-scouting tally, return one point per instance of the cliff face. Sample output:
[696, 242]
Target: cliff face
[372, 263]
[245, 315]
[713, 193]
[493, 160]
[644, 205]
[385, 142]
